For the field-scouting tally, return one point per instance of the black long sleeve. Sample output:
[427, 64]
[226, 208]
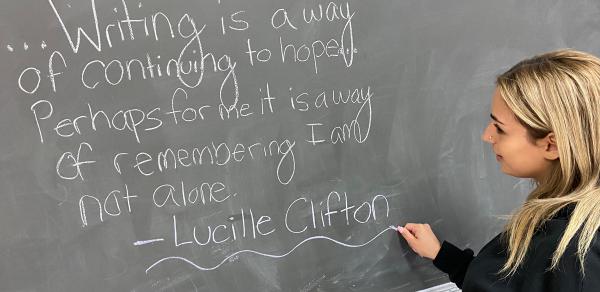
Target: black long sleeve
[454, 262]
[481, 273]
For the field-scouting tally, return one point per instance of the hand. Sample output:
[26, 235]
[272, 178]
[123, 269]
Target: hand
[421, 239]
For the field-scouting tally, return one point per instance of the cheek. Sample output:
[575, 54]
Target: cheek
[522, 160]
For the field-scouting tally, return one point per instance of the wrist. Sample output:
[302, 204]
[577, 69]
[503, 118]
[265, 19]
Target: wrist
[436, 251]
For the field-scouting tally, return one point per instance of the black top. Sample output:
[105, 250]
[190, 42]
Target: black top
[480, 273]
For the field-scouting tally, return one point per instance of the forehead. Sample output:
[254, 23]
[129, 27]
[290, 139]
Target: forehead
[500, 109]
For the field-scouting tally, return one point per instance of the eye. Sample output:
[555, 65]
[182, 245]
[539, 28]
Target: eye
[498, 129]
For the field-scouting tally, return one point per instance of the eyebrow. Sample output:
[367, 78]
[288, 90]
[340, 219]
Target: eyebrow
[496, 119]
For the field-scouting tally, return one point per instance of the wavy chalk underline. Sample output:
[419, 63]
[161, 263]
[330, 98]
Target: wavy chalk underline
[266, 254]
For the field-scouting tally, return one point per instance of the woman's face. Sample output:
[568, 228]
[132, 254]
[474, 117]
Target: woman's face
[517, 154]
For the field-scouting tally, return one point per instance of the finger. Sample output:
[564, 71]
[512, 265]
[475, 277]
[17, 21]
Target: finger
[408, 236]
[414, 228]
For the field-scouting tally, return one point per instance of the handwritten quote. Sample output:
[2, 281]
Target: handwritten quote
[206, 89]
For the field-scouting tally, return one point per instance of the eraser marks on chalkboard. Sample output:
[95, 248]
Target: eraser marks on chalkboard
[238, 217]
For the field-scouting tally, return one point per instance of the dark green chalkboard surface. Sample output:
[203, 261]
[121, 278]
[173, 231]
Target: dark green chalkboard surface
[253, 145]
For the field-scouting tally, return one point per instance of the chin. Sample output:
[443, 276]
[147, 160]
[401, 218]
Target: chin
[516, 174]
[511, 172]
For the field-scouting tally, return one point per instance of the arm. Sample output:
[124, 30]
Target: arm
[446, 257]
[454, 262]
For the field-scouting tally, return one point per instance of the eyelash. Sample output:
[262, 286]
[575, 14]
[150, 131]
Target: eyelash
[498, 129]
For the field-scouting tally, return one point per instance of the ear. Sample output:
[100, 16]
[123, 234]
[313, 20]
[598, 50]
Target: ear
[549, 146]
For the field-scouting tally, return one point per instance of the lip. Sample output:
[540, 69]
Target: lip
[498, 157]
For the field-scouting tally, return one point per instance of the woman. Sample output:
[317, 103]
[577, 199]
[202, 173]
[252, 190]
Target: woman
[545, 125]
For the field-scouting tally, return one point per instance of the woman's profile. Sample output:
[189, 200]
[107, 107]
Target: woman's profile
[544, 125]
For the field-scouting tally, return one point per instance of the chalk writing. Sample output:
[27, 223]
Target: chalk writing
[148, 108]
[275, 256]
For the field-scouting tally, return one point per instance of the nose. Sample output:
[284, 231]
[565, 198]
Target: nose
[487, 135]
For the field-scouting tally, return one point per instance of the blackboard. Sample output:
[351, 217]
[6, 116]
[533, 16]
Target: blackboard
[223, 145]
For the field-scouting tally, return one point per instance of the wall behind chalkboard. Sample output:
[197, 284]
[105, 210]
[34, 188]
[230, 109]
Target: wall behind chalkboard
[225, 145]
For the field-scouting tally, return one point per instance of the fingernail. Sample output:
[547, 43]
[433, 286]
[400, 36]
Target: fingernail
[400, 229]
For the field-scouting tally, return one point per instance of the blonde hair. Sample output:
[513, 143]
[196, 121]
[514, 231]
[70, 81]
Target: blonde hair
[557, 92]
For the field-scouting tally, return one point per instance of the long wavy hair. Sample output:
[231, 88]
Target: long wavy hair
[557, 92]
